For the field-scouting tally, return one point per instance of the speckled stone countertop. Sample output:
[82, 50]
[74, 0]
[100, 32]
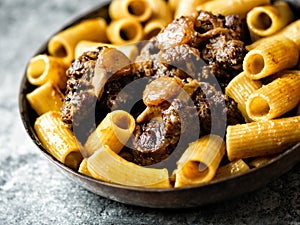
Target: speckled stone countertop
[33, 191]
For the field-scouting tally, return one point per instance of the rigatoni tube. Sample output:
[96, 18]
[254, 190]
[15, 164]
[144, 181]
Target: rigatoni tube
[269, 57]
[108, 166]
[200, 161]
[114, 131]
[63, 44]
[135, 9]
[46, 97]
[161, 10]
[268, 19]
[124, 31]
[240, 7]
[83, 168]
[58, 139]
[262, 160]
[187, 7]
[262, 138]
[43, 68]
[239, 89]
[290, 32]
[235, 167]
[274, 99]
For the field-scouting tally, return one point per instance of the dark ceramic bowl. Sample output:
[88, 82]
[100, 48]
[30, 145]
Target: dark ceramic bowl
[212, 192]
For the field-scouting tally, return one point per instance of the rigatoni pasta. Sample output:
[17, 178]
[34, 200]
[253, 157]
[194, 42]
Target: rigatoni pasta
[135, 9]
[270, 57]
[58, 139]
[260, 161]
[161, 10]
[187, 7]
[124, 31]
[274, 99]
[291, 32]
[83, 168]
[239, 7]
[107, 153]
[262, 138]
[200, 161]
[108, 166]
[232, 168]
[45, 98]
[268, 19]
[240, 88]
[114, 131]
[63, 44]
[43, 68]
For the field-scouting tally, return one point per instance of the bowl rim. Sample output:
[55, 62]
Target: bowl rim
[24, 111]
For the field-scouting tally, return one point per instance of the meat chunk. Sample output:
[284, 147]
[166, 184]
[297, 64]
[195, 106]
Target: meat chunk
[215, 110]
[79, 92]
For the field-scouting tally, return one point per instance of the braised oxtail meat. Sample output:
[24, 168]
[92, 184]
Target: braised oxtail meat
[215, 110]
[79, 93]
[180, 31]
[191, 43]
[154, 140]
[196, 55]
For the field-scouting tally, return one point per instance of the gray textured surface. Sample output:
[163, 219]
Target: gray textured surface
[32, 191]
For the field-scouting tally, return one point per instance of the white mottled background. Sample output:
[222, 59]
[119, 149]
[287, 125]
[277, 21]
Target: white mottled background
[32, 191]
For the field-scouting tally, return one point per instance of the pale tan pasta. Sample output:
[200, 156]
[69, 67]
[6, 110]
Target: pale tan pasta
[124, 31]
[161, 10]
[108, 166]
[114, 131]
[58, 139]
[46, 97]
[260, 161]
[235, 167]
[262, 138]
[274, 99]
[83, 168]
[270, 57]
[173, 4]
[153, 27]
[130, 50]
[187, 7]
[200, 161]
[135, 9]
[240, 7]
[239, 89]
[43, 68]
[291, 32]
[268, 19]
[63, 44]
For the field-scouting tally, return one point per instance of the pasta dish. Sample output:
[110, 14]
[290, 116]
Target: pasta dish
[168, 94]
